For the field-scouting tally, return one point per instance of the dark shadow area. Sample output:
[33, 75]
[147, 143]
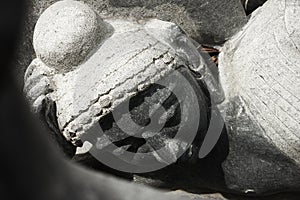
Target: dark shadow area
[279, 196]
[188, 172]
[251, 5]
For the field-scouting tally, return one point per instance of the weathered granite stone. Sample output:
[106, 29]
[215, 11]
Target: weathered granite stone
[259, 71]
[129, 63]
[132, 56]
[206, 21]
[212, 196]
[260, 111]
[66, 33]
[83, 184]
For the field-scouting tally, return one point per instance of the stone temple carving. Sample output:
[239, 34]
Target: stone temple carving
[88, 69]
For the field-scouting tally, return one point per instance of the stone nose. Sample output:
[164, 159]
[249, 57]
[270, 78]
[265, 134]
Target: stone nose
[66, 33]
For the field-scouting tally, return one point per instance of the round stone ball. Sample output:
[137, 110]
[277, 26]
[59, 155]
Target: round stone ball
[66, 33]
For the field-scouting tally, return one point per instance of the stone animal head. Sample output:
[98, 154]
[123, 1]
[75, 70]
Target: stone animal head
[138, 90]
[134, 88]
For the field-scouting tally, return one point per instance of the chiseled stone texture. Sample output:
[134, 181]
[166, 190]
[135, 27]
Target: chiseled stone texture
[207, 21]
[264, 145]
[259, 71]
[127, 63]
[183, 194]
[66, 33]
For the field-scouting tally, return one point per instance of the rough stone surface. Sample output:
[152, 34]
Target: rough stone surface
[101, 83]
[136, 55]
[259, 71]
[133, 56]
[66, 33]
[183, 194]
[205, 20]
[126, 65]
[260, 111]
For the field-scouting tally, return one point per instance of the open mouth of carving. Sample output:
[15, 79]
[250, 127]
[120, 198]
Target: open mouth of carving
[162, 145]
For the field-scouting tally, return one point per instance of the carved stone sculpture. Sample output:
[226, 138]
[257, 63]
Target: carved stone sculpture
[89, 70]
[119, 61]
[259, 71]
